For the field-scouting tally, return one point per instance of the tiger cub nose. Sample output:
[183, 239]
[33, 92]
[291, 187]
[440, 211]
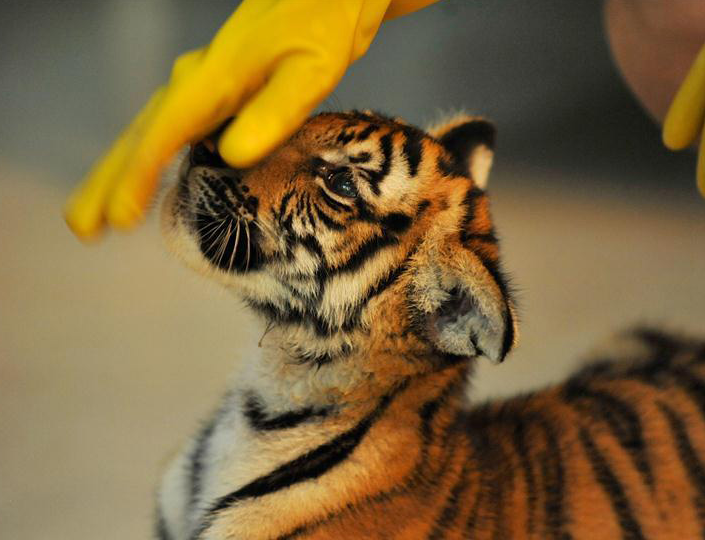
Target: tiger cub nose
[205, 154]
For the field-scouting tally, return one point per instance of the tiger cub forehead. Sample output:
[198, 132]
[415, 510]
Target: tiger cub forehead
[369, 139]
[397, 168]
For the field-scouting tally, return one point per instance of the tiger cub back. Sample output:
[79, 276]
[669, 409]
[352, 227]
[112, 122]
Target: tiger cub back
[367, 247]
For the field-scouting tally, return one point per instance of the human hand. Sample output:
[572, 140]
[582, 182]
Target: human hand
[685, 119]
[271, 63]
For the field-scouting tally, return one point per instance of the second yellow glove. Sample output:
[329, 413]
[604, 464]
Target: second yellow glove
[686, 116]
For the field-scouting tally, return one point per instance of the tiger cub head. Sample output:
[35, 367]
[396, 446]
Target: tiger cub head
[360, 233]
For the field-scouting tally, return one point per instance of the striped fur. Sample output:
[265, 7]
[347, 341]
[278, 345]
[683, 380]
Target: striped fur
[367, 246]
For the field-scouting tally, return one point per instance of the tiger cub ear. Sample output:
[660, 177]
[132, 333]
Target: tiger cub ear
[470, 140]
[461, 305]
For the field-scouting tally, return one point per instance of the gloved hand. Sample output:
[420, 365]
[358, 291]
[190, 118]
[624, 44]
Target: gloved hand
[686, 116]
[271, 63]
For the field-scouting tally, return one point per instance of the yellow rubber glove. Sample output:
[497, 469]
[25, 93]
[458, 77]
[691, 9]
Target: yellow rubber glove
[686, 116]
[271, 63]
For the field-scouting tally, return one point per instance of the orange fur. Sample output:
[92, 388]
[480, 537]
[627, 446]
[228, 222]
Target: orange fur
[379, 308]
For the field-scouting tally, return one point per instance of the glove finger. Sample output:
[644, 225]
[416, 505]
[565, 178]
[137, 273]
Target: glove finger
[186, 64]
[198, 99]
[296, 87]
[189, 111]
[684, 120]
[84, 211]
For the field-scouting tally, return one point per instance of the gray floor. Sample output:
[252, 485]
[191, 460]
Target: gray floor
[109, 355]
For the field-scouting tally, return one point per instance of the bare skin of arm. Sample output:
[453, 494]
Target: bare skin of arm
[654, 43]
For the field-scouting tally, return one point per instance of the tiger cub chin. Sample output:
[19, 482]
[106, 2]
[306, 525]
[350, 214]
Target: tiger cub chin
[366, 245]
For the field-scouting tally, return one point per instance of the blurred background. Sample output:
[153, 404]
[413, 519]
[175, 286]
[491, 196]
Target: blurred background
[110, 354]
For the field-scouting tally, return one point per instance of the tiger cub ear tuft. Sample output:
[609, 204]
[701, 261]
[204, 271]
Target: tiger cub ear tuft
[460, 306]
[461, 327]
[470, 140]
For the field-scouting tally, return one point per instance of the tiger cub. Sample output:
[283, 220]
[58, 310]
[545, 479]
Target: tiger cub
[367, 247]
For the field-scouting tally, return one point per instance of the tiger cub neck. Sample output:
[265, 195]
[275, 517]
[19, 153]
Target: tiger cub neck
[279, 408]
[367, 366]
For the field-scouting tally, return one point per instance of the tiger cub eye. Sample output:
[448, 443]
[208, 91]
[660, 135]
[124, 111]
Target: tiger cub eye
[340, 182]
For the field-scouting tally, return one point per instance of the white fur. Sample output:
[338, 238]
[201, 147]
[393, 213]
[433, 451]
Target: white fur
[235, 453]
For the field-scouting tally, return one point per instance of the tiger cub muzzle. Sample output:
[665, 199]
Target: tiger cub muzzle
[220, 209]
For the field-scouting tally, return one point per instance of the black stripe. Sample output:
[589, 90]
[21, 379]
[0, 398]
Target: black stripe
[308, 466]
[311, 244]
[497, 478]
[287, 223]
[197, 459]
[364, 212]
[623, 421]
[447, 166]
[332, 203]
[383, 284]
[464, 137]
[283, 203]
[327, 220]
[483, 454]
[427, 413]
[496, 273]
[553, 477]
[364, 252]
[161, 530]
[473, 523]
[461, 140]
[631, 530]
[504, 483]
[661, 350]
[661, 344]
[375, 177]
[366, 115]
[293, 291]
[451, 509]
[489, 237]
[653, 368]
[321, 359]
[267, 309]
[468, 204]
[422, 207]
[345, 136]
[362, 157]
[294, 315]
[259, 421]
[522, 451]
[428, 473]
[309, 213]
[386, 282]
[396, 222]
[690, 461]
[516, 425]
[693, 386]
[412, 148]
[365, 133]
